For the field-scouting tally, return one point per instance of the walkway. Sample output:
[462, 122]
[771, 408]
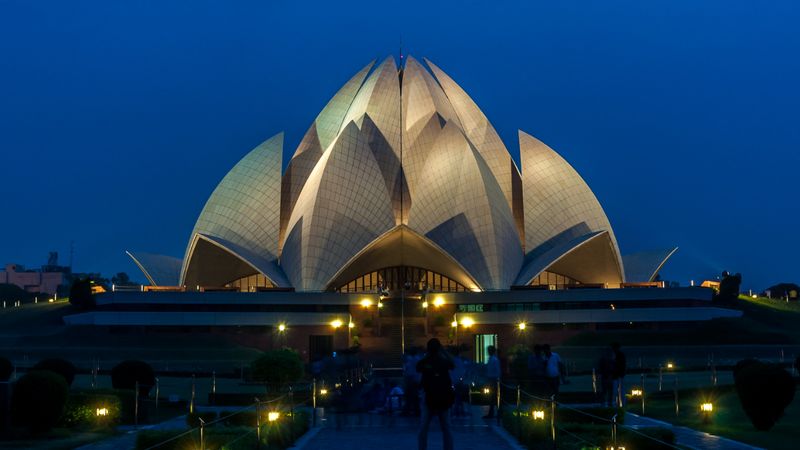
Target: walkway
[360, 431]
[688, 437]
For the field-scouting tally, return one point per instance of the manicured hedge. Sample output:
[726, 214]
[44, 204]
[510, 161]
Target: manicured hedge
[275, 436]
[126, 374]
[536, 434]
[60, 366]
[81, 410]
[765, 390]
[38, 400]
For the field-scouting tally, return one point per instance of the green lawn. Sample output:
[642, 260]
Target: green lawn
[765, 322]
[57, 439]
[728, 419]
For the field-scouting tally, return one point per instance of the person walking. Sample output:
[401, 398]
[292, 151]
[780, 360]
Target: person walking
[437, 388]
[553, 369]
[493, 377]
[620, 368]
[605, 370]
[536, 365]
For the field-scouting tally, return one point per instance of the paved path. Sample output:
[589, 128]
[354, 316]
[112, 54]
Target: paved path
[374, 431]
[688, 437]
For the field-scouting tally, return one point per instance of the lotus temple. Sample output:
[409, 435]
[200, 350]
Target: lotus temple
[402, 215]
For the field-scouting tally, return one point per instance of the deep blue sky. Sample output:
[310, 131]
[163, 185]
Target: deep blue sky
[118, 118]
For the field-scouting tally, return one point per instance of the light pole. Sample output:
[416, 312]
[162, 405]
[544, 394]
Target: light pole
[335, 324]
[350, 326]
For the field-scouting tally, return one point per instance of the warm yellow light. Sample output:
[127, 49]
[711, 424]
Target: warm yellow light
[636, 392]
[707, 407]
[755, 296]
[454, 324]
[336, 323]
[486, 390]
[282, 327]
[323, 392]
[613, 307]
[521, 325]
[380, 304]
[538, 415]
[438, 301]
[467, 322]
[351, 325]
[366, 303]
[272, 416]
[50, 300]
[102, 412]
[670, 365]
[424, 304]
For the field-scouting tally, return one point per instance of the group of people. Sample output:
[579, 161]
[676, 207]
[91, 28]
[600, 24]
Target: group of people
[546, 370]
[610, 371]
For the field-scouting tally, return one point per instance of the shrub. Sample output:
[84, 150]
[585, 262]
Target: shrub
[125, 375]
[60, 366]
[81, 409]
[277, 366]
[38, 400]
[765, 390]
[6, 369]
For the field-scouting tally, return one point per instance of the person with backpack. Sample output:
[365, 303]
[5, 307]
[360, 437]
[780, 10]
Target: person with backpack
[437, 388]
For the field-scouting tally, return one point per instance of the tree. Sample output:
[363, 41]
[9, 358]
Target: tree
[277, 366]
[122, 279]
[783, 290]
[38, 400]
[765, 390]
[80, 294]
[59, 366]
[126, 374]
[729, 287]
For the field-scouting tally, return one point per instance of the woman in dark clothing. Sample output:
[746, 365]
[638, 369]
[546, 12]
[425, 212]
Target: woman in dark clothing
[437, 387]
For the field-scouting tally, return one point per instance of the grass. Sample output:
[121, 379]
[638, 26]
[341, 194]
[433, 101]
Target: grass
[780, 305]
[728, 419]
[56, 439]
[765, 322]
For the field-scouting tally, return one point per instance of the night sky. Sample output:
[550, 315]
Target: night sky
[118, 118]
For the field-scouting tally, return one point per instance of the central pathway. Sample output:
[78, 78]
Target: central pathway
[370, 431]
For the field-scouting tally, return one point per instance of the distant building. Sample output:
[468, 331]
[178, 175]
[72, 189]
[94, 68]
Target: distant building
[33, 280]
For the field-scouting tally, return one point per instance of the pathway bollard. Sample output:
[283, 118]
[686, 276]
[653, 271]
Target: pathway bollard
[660, 378]
[644, 392]
[314, 402]
[157, 394]
[191, 402]
[202, 440]
[136, 405]
[594, 381]
[675, 390]
[553, 419]
[614, 430]
[258, 424]
[497, 405]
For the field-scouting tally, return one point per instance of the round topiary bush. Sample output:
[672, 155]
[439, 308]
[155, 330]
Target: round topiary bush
[38, 400]
[6, 369]
[60, 366]
[277, 366]
[126, 374]
[764, 389]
